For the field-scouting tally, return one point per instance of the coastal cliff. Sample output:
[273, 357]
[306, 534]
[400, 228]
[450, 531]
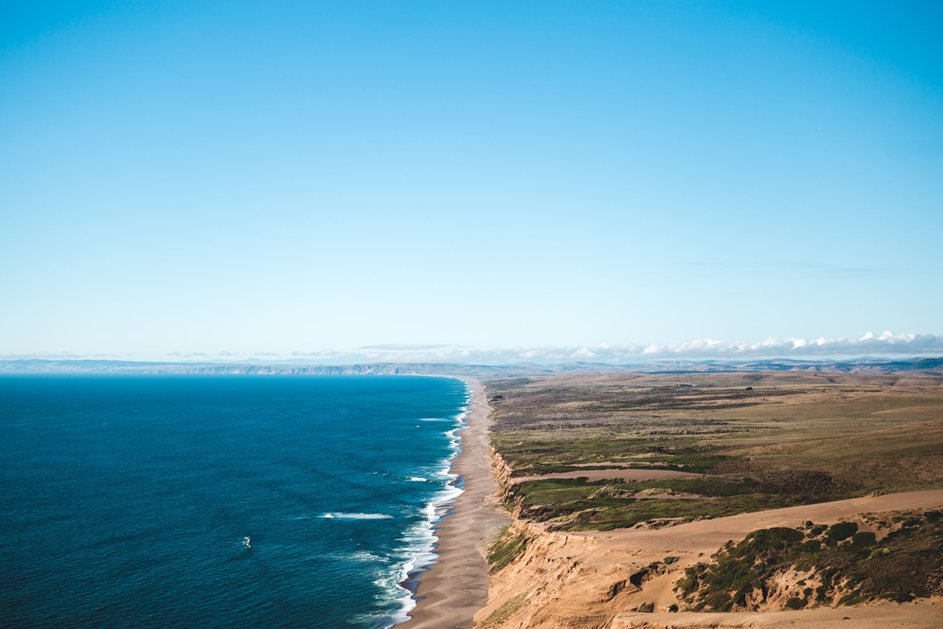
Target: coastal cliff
[623, 579]
[561, 579]
[688, 500]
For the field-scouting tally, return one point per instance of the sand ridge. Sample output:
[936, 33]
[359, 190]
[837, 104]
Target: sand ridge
[923, 614]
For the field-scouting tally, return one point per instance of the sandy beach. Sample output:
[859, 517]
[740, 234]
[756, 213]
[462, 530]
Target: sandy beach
[456, 586]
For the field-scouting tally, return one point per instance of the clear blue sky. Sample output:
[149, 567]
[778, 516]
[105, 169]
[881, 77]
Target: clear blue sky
[296, 176]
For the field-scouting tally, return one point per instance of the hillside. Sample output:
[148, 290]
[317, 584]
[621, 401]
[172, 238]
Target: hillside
[623, 484]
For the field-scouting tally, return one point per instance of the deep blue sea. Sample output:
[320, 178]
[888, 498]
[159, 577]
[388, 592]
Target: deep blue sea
[219, 501]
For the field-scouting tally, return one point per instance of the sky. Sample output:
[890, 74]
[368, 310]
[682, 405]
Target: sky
[300, 179]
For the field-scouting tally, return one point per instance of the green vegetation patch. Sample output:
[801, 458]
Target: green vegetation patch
[503, 613]
[907, 564]
[576, 504]
[791, 439]
[505, 549]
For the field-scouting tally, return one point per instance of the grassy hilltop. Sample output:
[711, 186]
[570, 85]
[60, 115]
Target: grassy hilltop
[739, 442]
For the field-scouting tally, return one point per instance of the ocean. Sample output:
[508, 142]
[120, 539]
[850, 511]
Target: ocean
[220, 501]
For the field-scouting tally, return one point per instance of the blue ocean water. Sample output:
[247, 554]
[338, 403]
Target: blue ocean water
[219, 501]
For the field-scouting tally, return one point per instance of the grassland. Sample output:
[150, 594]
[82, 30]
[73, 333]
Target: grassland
[757, 441]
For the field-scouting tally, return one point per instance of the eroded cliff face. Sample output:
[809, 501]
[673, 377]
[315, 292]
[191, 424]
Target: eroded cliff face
[628, 577]
[574, 580]
[564, 580]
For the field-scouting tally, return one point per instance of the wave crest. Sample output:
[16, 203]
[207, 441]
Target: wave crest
[357, 516]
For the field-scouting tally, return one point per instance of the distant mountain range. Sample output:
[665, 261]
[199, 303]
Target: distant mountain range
[489, 372]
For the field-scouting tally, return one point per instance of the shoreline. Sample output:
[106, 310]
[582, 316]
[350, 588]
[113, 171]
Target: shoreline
[455, 587]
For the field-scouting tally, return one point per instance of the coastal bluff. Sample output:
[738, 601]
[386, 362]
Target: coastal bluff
[620, 579]
[661, 501]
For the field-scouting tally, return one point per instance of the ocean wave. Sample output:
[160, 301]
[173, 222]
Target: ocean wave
[367, 556]
[417, 479]
[417, 554]
[357, 516]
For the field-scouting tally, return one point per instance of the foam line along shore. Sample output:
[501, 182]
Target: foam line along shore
[456, 585]
[421, 539]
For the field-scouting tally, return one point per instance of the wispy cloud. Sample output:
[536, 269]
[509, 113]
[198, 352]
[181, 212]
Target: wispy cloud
[266, 354]
[43, 356]
[226, 354]
[174, 354]
[404, 347]
[320, 354]
[197, 354]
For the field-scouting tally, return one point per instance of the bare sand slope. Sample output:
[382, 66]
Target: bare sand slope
[589, 579]
[706, 536]
[629, 475]
[457, 584]
[925, 614]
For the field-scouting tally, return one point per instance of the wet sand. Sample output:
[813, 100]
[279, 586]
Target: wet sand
[456, 586]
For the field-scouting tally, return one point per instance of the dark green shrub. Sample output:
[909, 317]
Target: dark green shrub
[863, 539]
[796, 603]
[686, 584]
[854, 598]
[768, 539]
[841, 531]
[811, 546]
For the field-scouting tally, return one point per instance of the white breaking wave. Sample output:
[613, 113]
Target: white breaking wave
[417, 479]
[365, 555]
[358, 516]
[419, 541]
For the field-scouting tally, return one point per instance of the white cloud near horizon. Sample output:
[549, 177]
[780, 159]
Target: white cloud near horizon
[404, 346]
[885, 345]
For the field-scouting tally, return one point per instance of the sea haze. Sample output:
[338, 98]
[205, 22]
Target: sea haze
[268, 501]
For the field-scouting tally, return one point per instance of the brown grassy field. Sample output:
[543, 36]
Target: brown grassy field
[756, 440]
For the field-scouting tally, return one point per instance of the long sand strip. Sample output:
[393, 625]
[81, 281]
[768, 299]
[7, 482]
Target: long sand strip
[456, 586]
[922, 614]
